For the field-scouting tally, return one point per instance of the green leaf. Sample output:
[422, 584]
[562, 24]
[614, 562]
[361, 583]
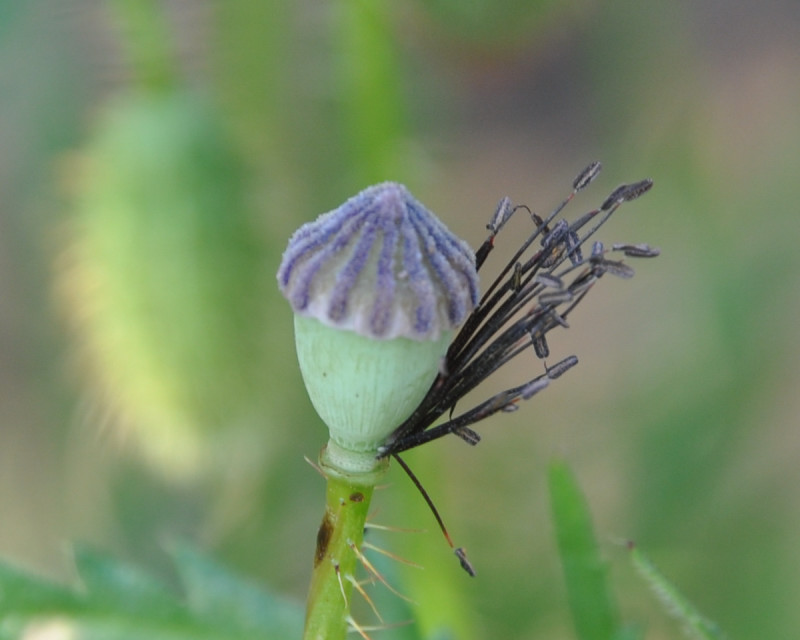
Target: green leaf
[215, 593]
[23, 592]
[594, 612]
[25, 597]
[115, 586]
[115, 601]
[695, 624]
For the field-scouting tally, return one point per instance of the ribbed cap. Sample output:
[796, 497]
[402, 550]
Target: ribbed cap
[381, 265]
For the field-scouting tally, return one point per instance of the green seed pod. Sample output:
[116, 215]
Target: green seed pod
[377, 286]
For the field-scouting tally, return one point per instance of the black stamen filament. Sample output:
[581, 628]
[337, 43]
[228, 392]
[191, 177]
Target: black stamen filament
[527, 299]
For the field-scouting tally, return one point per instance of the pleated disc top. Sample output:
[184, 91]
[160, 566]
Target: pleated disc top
[381, 265]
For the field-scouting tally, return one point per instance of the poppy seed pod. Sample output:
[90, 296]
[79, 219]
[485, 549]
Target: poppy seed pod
[377, 286]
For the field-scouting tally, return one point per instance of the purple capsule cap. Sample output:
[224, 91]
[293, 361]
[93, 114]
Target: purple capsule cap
[381, 265]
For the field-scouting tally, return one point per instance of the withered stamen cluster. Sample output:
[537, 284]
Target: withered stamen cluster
[531, 296]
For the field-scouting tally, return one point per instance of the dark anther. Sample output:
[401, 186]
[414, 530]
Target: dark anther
[467, 435]
[637, 250]
[540, 345]
[501, 215]
[560, 368]
[534, 387]
[556, 235]
[549, 280]
[616, 196]
[465, 563]
[516, 278]
[555, 297]
[574, 248]
[586, 176]
[633, 191]
[614, 267]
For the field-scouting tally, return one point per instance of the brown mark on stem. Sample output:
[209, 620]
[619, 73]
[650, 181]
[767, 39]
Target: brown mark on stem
[323, 538]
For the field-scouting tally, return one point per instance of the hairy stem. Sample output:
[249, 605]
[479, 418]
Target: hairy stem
[338, 544]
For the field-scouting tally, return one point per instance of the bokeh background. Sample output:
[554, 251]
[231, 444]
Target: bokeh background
[154, 159]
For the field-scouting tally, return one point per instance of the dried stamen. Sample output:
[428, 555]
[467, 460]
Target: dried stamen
[586, 176]
[534, 293]
[466, 565]
[637, 250]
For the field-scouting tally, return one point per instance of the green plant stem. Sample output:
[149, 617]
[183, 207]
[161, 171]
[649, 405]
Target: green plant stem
[370, 81]
[338, 540]
[146, 41]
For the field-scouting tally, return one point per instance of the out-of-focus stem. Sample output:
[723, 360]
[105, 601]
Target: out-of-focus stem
[339, 535]
[146, 41]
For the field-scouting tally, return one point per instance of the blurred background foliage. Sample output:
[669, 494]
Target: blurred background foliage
[154, 159]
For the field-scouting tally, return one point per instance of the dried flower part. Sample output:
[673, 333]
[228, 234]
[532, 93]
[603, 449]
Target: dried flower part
[381, 265]
[585, 177]
[535, 292]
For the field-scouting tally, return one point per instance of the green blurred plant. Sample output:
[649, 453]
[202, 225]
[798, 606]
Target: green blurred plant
[491, 23]
[114, 601]
[595, 613]
[163, 277]
[694, 624]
